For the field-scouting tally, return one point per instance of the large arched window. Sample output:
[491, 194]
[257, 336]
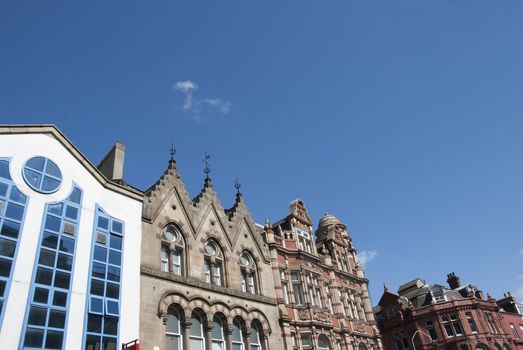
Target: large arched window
[173, 330]
[213, 266]
[256, 336]
[323, 342]
[249, 274]
[196, 332]
[237, 335]
[218, 333]
[171, 255]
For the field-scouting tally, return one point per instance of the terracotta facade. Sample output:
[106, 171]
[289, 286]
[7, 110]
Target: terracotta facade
[422, 316]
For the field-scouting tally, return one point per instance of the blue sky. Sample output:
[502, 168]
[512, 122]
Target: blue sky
[403, 118]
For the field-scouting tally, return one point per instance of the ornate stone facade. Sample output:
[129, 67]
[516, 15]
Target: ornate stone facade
[211, 278]
[204, 264]
[321, 290]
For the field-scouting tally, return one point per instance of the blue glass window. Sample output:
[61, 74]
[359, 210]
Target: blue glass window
[4, 170]
[12, 211]
[42, 175]
[46, 315]
[104, 286]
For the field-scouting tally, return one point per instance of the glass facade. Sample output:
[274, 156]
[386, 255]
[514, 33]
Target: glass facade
[46, 314]
[12, 212]
[103, 302]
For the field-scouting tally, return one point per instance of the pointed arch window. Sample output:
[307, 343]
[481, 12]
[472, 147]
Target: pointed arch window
[172, 251]
[249, 273]
[213, 264]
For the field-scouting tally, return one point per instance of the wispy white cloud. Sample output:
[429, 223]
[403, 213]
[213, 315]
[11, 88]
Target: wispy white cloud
[187, 88]
[366, 256]
[197, 106]
[223, 106]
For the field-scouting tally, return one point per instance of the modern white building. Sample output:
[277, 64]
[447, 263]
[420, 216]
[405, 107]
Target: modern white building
[70, 236]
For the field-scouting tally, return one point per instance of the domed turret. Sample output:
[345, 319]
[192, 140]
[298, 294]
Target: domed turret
[328, 220]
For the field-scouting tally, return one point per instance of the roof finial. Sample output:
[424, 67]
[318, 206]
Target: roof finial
[172, 151]
[385, 288]
[237, 185]
[207, 168]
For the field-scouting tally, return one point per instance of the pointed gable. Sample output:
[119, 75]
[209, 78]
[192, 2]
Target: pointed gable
[298, 210]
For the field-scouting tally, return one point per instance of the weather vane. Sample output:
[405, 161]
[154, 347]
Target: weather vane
[207, 168]
[237, 185]
[172, 151]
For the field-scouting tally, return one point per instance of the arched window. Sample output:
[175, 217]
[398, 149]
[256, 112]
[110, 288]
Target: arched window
[218, 334]
[256, 336]
[323, 343]
[171, 254]
[237, 335]
[196, 332]
[249, 274]
[213, 266]
[362, 346]
[173, 332]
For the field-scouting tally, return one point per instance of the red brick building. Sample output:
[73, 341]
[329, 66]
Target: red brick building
[321, 290]
[512, 316]
[423, 316]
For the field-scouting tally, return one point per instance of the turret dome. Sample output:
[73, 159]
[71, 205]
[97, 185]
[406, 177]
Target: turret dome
[328, 220]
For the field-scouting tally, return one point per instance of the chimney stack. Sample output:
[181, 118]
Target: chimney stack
[112, 164]
[453, 280]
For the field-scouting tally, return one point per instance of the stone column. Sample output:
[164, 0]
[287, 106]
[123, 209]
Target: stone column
[228, 336]
[247, 339]
[186, 325]
[265, 342]
[208, 339]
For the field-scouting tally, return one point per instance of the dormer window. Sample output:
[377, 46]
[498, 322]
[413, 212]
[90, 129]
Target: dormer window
[438, 296]
[304, 240]
[171, 254]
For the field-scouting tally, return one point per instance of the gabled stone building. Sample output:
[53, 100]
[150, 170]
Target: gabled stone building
[206, 280]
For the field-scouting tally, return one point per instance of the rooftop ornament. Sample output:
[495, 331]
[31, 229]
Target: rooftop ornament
[172, 151]
[207, 168]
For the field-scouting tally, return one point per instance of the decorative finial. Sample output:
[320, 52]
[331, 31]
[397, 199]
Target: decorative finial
[205, 160]
[172, 151]
[237, 185]
[385, 288]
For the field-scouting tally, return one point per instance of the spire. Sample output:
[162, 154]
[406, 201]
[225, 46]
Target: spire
[237, 185]
[207, 169]
[172, 152]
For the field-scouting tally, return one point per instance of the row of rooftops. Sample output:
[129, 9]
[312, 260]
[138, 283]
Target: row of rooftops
[417, 293]
[109, 172]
